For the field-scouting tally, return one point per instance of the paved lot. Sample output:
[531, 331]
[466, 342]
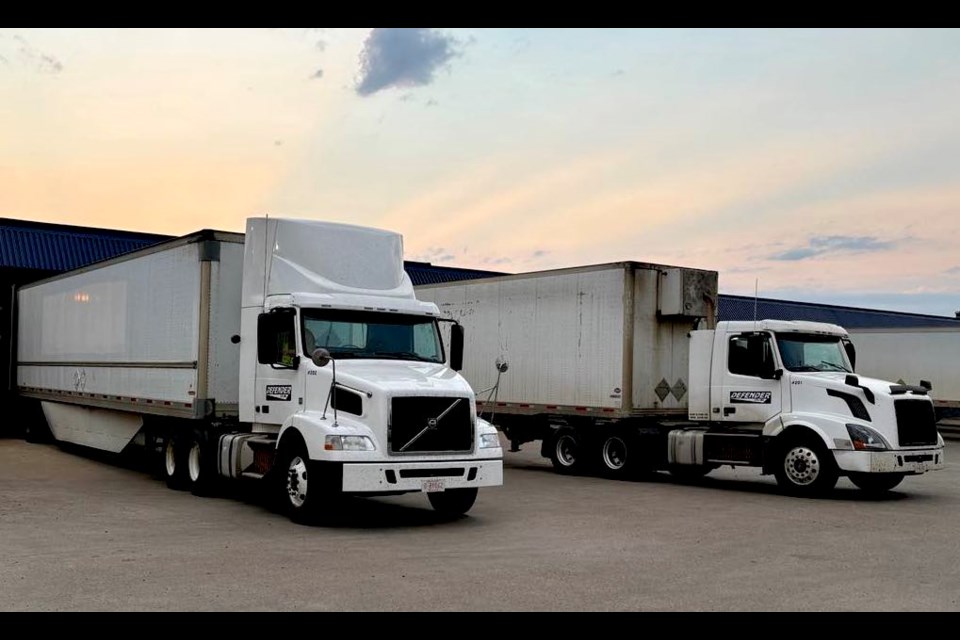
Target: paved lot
[80, 533]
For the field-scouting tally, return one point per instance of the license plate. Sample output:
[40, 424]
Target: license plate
[433, 485]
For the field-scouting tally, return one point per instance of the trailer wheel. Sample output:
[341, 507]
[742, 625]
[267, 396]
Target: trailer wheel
[201, 474]
[876, 483]
[454, 502]
[174, 464]
[566, 451]
[805, 467]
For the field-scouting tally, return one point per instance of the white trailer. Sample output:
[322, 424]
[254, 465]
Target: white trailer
[619, 367]
[911, 355]
[296, 351]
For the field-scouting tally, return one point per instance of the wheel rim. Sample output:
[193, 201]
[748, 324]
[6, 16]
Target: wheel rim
[297, 482]
[802, 465]
[193, 462]
[567, 450]
[614, 453]
[170, 459]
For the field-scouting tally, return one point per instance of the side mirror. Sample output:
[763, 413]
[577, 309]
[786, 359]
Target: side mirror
[321, 357]
[456, 347]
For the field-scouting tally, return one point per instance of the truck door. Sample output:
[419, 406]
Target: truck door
[279, 390]
[751, 389]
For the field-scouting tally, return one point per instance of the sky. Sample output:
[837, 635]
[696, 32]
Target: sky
[815, 165]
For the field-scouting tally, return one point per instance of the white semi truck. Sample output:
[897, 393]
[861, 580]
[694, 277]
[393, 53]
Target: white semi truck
[296, 354]
[621, 367]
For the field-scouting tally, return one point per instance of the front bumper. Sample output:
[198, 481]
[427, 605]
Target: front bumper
[911, 461]
[376, 477]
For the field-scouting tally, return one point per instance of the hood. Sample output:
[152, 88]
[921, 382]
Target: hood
[837, 379]
[391, 376]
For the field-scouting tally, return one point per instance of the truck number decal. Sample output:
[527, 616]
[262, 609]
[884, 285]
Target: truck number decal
[750, 397]
[280, 392]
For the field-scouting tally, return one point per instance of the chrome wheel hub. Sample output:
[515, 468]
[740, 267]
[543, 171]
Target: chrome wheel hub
[567, 450]
[802, 465]
[170, 459]
[297, 482]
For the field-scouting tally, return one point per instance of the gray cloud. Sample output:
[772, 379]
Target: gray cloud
[820, 245]
[321, 45]
[539, 253]
[402, 58]
[32, 58]
[318, 74]
[953, 271]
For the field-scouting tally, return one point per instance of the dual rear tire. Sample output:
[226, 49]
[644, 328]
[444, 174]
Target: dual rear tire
[188, 463]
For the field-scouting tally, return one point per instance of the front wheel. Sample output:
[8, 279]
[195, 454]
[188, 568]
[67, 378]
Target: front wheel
[805, 467]
[302, 497]
[453, 502]
[876, 483]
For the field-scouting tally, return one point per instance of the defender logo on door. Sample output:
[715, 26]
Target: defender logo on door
[750, 397]
[281, 392]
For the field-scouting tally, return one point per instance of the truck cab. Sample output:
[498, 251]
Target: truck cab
[345, 380]
[785, 396]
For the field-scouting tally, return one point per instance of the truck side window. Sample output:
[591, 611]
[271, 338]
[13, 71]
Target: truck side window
[747, 357]
[275, 339]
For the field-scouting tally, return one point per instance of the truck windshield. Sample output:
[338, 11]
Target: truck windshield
[812, 352]
[372, 335]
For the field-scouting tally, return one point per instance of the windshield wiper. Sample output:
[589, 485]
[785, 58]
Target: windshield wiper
[402, 355]
[837, 367]
[803, 367]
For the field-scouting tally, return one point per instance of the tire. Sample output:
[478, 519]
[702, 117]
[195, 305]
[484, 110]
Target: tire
[37, 433]
[174, 463]
[805, 467]
[454, 502]
[303, 502]
[876, 483]
[566, 452]
[200, 466]
[617, 454]
[690, 472]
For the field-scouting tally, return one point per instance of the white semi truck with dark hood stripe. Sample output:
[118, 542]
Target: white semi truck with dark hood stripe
[296, 354]
[622, 368]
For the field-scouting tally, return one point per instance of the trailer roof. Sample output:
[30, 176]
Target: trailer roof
[732, 307]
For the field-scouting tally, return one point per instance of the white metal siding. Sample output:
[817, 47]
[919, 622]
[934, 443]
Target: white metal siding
[911, 355]
[561, 334]
[660, 348]
[226, 279]
[144, 310]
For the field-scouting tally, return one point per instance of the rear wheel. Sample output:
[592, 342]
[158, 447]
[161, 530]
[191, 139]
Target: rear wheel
[876, 483]
[201, 473]
[565, 452]
[453, 502]
[805, 467]
[174, 463]
[616, 456]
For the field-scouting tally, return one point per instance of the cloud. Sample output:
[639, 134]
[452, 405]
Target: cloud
[402, 58]
[318, 74]
[953, 271]
[820, 245]
[321, 45]
[22, 52]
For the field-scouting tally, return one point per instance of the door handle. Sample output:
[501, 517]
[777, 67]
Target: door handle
[728, 410]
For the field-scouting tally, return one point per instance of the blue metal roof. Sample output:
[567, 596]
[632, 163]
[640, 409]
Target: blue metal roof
[426, 273]
[732, 307]
[55, 247]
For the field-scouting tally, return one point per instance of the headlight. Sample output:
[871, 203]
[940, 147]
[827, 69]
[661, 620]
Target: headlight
[865, 438]
[348, 443]
[489, 440]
